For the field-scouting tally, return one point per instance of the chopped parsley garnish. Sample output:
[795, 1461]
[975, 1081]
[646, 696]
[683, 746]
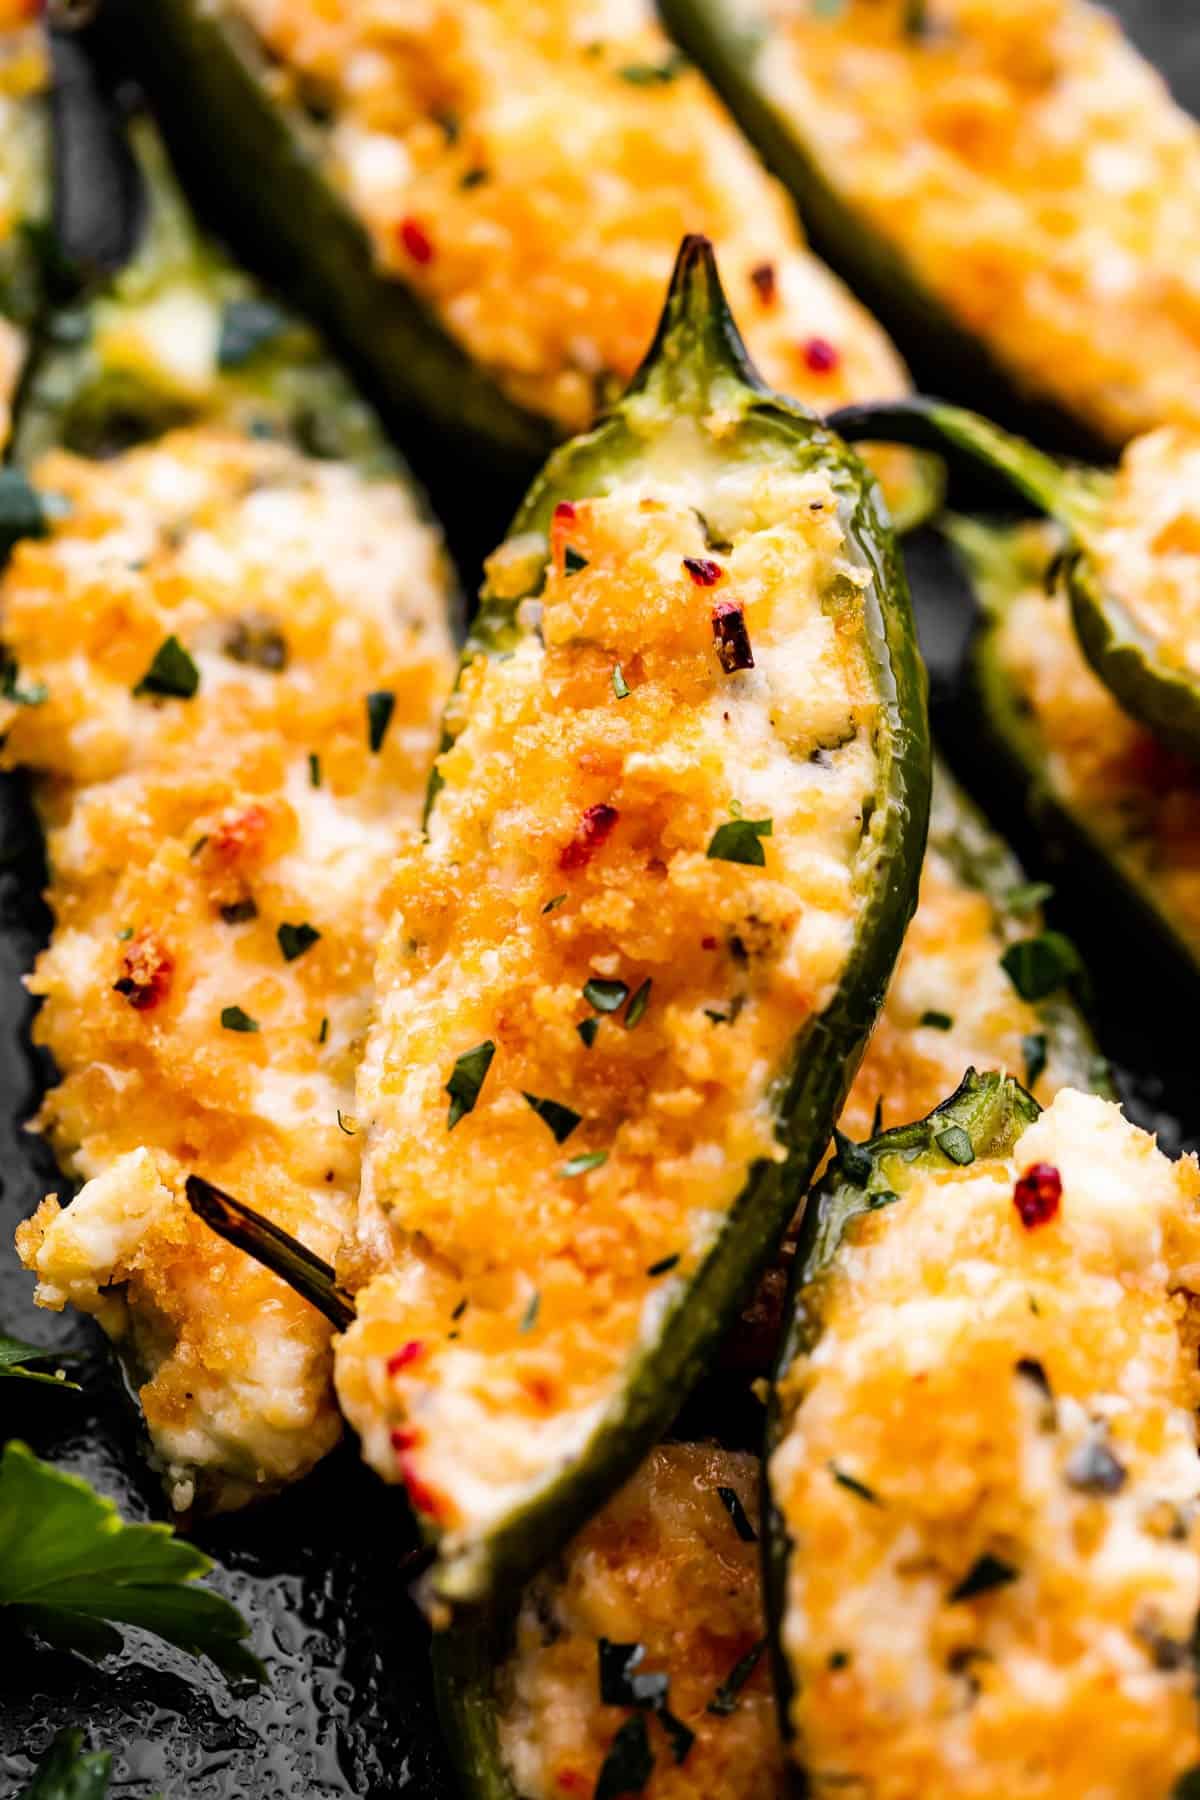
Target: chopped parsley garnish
[71, 1569]
[247, 326]
[460, 1309]
[172, 674]
[725, 1700]
[234, 1019]
[940, 1021]
[638, 1005]
[314, 769]
[605, 996]
[854, 1160]
[739, 841]
[36, 694]
[620, 1684]
[347, 1123]
[620, 686]
[1027, 896]
[560, 1119]
[629, 1763]
[880, 1198]
[1036, 966]
[573, 562]
[324, 1031]
[916, 18]
[472, 178]
[955, 1143]
[198, 846]
[294, 940]
[1033, 1049]
[731, 1501]
[68, 1772]
[587, 1029]
[239, 911]
[380, 707]
[529, 1316]
[1093, 1469]
[580, 1165]
[1033, 1371]
[664, 1265]
[14, 1356]
[259, 643]
[679, 1736]
[554, 904]
[986, 1572]
[466, 1079]
[653, 74]
[839, 1659]
[854, 1486]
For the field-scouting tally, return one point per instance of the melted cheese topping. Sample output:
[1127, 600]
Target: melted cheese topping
[559, 1272]
[182, 835]
[662, 1566]
[1032, 171]
[1071, 1679]
[1148, 547]
[24, 72]
[529, 166]
[1138, 801]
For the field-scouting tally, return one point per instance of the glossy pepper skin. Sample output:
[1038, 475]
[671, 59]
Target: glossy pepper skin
[697, 361]
[1145, 680]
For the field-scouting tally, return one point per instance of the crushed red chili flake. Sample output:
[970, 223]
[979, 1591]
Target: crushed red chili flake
[422, 1497]
[404, 1438]
[731, 637]
[1037, 1195]
[147, 969]
[565, 510]
[1152, 763]
[416, 241]
[238, 836]
[401, 1358]
[703, 572]
[763, 278]
[820, 356]
[571, 1781]
[708, 943]
[594, 828]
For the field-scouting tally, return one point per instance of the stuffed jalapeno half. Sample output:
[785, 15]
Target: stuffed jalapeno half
[672, 848]
[24, 188]
[225, 662]
[984, 1557]
[484, 199]
[1101, 787]
[1132, 564]
[1010, 186]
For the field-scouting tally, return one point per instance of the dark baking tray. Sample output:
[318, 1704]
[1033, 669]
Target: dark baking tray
[349, 1710]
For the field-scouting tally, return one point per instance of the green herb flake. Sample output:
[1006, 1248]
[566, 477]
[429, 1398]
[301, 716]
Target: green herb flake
[234, 1019]
[125, 933]
[380, 707]
[1033, 1049]
[347, 1123]
[605, 996]
[739, 841]
[955, 1143]
[916, 18]
[939, 1021]
[580, 1165]
[323, 1034]
[15, 1356]
[247, 326]
[653, 74]
[36, 693]
[629, 1763]
[529, 1316]
[664, 1266]
[620, 1682]
[679, 1736]
[239, 912]
[71, 1569]
[69, 1772]
[560, 1119]
[637, 1006]
[198, 846]
[986, 1572]
[620, 686]
[472, 178]
[1037, 966]
[853, 1485]
[314, 769]
[553, 905]
[172, 674]
[466, 1079]
[731, 1501]
[573, 562]
[726, 1699]
[1027, 896]
[839, 1659]
[587, 1029]
[880, 1198]
[294, 940]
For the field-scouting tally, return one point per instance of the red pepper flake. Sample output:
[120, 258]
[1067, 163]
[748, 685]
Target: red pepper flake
[147, 968]
[540, 1390]
[416, 241]
[239, 836]
[423, 1498]
[404, 1438]
[1037, 1195]
[820, 356]
[401, 1358]
[571, 1781]
[731, 637]
[595, 827]
[708, 943]
[564, 511]
[703, 572]
[763, 278]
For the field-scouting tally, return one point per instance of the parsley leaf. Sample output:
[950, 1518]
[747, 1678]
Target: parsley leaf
[234, 1019]
[620, 1684]
[573, 562]
[314, 769]
[68, 1772]
[580, 1165]
[1027, 896]
[172, 673]
[738, 841]
[619, 684]
[731, 1501]
[71, 1570]
[629, 1763]
[1038, 965]
[14, 1355]
[466, 1079]
[664, 1265]
[854, 1486]
[36, 694]
[985, 1573]
[638, 1005]
[380, 707]
[587, 1029]
[725, 1700]
[654, 74]
[605, 996]
[530, 1315]
[294, 940]
[561, 1119]
[247, 326]
[940, 1021]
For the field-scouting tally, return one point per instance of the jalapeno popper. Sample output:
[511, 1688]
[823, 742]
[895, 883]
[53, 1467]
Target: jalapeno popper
[671, 852]
[24, 188]
[500, 189]
[986, 1558]
[225, 666]
[1010, 185]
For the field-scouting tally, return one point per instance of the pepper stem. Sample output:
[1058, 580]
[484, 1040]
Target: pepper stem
[697, 345]
[308, 1274]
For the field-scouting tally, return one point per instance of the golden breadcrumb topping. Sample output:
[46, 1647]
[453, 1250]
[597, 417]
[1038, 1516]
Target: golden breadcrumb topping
[1032, 171]
[672, 1564]
[573, 844]
[528, 167]
[1147, 549]
[218, 871]
[989, 1475]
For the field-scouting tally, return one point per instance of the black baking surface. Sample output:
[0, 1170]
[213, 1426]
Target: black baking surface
[320, 1572]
